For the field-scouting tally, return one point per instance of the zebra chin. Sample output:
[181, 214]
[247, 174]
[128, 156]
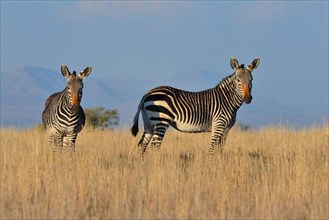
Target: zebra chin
[75, 108]
[247, 99]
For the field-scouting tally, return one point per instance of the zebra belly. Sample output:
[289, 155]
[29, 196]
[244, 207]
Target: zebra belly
[186, 127]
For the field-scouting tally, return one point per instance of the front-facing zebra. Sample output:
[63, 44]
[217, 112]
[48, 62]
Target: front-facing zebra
[63, 116]
[209, 110]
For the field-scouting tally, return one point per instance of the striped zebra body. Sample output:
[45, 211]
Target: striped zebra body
[62, 124]
[209, 110]
[63, 116]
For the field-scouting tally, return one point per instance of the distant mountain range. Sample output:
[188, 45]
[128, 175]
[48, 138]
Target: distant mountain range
[24, 91]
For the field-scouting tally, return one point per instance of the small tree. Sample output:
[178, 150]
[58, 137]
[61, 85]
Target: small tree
[98, 117]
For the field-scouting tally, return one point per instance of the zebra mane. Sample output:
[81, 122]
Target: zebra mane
[227, 80]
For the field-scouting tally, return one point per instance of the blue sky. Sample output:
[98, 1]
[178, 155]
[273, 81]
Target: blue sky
[157, 39]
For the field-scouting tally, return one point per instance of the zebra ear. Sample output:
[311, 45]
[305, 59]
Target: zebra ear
[254, 64]
[234, 63]
[85, 73]
[65, 71]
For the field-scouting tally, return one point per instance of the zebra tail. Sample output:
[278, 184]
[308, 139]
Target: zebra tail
[134, 128]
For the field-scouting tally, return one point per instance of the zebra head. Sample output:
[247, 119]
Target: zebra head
[74, 86]
[244, 77]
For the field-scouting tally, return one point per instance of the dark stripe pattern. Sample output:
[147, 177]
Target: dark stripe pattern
[209, 110]
[63, 116]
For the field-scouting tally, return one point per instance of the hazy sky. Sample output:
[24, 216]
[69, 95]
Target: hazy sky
[157, 39]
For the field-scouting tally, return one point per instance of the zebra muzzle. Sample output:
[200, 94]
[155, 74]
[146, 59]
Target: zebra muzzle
[247, 99]
[247, 95]
[75, 100]
[75, 103]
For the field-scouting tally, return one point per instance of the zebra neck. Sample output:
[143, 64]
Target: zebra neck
[227, 87]
[227, 81]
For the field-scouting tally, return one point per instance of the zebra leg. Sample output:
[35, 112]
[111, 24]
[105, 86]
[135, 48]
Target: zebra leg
[56, 140]
[217, 140]
[159, 132]
[228, 128]
[51, 139]
[142, 144]
[220, 129]
[69, 141]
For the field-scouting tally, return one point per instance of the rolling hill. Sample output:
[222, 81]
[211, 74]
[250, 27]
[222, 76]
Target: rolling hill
[24, 91]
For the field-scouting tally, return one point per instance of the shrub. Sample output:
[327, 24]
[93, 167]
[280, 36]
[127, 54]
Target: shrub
[98, 117]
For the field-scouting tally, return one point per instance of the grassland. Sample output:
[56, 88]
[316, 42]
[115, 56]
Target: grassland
[271, 173]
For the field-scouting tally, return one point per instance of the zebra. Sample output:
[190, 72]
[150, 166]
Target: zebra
[63, 116]
[212, 110]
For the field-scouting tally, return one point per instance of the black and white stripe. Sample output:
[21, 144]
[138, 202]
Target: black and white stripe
[209, 110]
[63, 116]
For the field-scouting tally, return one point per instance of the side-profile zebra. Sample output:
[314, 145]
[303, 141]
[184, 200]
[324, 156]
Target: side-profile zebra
[209, 110]
[63, 116]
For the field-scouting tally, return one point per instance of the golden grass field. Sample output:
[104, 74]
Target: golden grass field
[271, 173]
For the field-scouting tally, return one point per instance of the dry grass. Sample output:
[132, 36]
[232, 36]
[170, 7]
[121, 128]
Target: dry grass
[271, 173]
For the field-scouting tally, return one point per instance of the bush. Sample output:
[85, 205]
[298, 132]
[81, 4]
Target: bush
[99, 117]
